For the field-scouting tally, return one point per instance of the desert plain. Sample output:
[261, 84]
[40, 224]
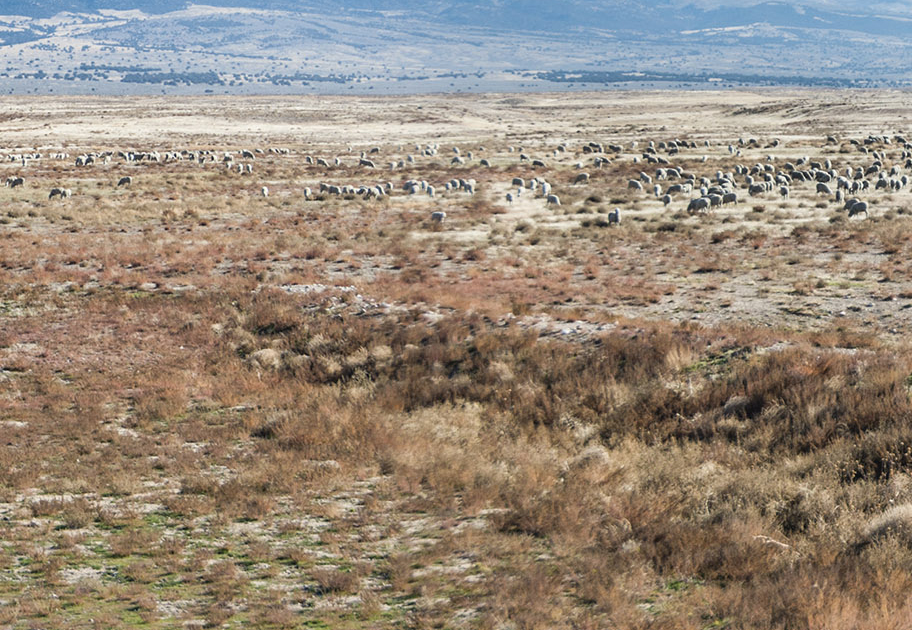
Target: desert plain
[227, 403]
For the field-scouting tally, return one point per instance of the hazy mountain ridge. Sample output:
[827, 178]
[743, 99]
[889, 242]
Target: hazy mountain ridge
[530, 14]
[456, 44]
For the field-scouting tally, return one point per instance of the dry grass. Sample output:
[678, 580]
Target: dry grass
[232, 411]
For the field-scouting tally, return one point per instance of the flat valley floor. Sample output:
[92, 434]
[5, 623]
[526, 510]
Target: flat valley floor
[249, 378]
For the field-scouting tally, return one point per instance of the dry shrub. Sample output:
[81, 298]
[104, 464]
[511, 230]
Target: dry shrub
[224, 581]
[276, 616]
[234, 499]
[132, 542]
[528, 598]
[572, 513]
[803, 287]
[399, 570]
[198, 484]
[159, 404]
[713, 264]
[806, 396]
[324, 430]
[10, 613]
[300, 556]
[333, 580]
[76, 513]
[217, 615]
[878, 456]
[894, 522]
[79, 514]
[47, 507]
[476, 254]
[142, 572]
[272, 312]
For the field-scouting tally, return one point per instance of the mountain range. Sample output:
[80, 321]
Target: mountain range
[412, 45]
[667, 15]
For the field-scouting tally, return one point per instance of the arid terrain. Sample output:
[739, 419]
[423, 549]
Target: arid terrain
[240, 387]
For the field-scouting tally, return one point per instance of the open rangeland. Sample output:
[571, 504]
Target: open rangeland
[456, 362]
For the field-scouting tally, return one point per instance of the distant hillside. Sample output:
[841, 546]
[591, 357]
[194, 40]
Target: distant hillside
[542, 15]
[86, 46]
[49, 8]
